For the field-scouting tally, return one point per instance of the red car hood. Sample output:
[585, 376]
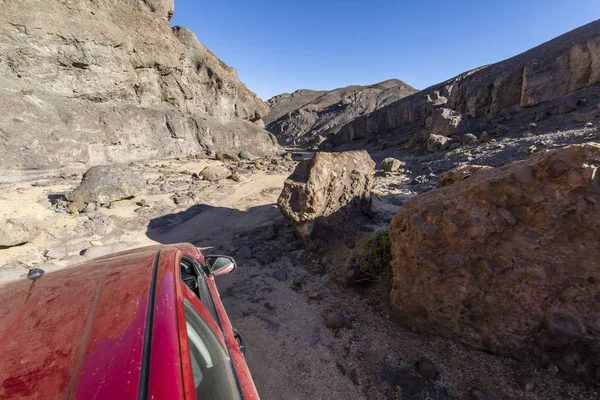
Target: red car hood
[76, 333]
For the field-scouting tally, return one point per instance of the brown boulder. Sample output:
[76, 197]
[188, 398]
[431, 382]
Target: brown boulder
[215, 173]
[459, 173]
[391, 164]
[326, 184]
[507, 259]
[445, 122]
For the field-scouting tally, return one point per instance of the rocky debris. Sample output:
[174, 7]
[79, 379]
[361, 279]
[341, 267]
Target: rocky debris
[445, 122]
[227, 157]
[427, 369]
[437, 143]
[459, 173]
[107, 183]
[469, 138]
[307, 117]
[90, 208]
[391, 164]
[490, 260]
[245, 155]
[87, 88]
[329, 183]
[215, 173]
[543, 74]
[337, 320]
[315, 295]
[15, 232]
[484, 137]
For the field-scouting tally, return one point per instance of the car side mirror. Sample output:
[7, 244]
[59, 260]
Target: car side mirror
[220, 265]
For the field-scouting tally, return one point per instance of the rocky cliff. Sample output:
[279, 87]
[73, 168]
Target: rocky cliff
[308, 117]
[480, 99]
[102, 81]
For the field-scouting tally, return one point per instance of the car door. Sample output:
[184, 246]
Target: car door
[206, 320]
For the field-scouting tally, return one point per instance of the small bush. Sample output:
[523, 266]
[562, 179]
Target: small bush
[377, 253]
[27, 91]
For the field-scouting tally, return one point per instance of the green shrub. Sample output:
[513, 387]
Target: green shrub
[27, 91]
[377, 253]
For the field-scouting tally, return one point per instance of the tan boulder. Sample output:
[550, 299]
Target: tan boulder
[328, 183]
[507, 260]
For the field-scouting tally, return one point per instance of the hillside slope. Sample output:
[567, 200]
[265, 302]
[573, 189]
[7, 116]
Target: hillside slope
[308, 117]
[484, 98]
[111, 81]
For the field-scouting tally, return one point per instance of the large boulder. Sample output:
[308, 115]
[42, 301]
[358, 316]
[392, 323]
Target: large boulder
[506, 260]
[215, 173]
[446, 122]
[459, 173]
[107, 183]
[327, 184]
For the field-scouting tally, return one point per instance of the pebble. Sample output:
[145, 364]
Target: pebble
[281, 276]
[427, 368]
[315, 295]
[337, 320]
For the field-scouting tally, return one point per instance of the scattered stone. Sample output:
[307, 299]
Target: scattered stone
[337, 320]
[325, 185]
[76, 206]
[391, 164]
[143, 203]
[454, 146]
[245, 155]
[485, 137]
[215, 173]
[107, 183]
[427, 369]
[288, 156]
[15, 232]
[235, 176]
[459, 173]
[90, 208]
[525, 383]
[438, 143]
[315, 295]
[589, 124]
[552, 369]
[195, 177]
[55, 254]
[245, 252]
[227, 156]
[469, 138]
[531, 126]
[531, 149]
[280, 275]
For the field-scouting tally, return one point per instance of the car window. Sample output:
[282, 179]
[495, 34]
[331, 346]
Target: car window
[211, 366]
[195, 279]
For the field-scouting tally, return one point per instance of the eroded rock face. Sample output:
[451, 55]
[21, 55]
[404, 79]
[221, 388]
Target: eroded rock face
[327, 184]
[110, 81]
[107, 183]
[14, 232]
[506, 259]
[548, 72]
[307, 117]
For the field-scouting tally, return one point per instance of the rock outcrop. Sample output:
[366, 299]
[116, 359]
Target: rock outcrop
[459, 173]
[506, 259]
[104, 184]
[307, 117]
[327, 184]
[110, 81]
[548, 72]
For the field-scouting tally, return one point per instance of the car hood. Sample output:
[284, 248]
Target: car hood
[76, 333]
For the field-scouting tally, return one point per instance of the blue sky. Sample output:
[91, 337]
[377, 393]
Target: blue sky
[279, 46]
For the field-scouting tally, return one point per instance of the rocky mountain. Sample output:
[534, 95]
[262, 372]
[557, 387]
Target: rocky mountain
[554, 78]
[307, 117]
[91, 82]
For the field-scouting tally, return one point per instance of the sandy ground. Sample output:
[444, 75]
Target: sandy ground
[291, 353]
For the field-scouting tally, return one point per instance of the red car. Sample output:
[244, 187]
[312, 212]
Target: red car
[141, 324]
